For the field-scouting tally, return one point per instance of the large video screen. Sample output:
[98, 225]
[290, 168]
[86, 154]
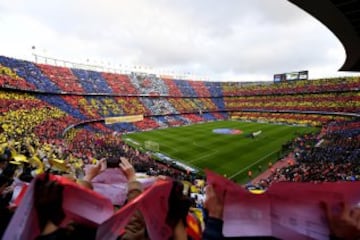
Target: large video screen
[304, 75]
[291, 76]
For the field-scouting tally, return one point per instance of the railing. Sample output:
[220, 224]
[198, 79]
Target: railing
[121, 69]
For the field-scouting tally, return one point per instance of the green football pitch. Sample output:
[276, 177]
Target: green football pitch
[230, 155]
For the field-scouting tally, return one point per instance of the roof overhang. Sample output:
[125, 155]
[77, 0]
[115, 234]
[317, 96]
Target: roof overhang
[342, 17]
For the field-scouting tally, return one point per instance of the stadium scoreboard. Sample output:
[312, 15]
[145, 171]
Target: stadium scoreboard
[291, 76]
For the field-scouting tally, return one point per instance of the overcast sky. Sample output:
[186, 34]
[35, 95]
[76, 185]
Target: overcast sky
[230, 40]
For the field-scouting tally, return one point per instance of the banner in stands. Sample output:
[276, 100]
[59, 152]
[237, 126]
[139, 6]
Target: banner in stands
[112, 184]
[132, 118]
[287, 210]
[79, 204]
[153, 204]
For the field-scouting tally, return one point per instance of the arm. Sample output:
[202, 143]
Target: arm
[134, 186]
[91, 173]
[136, 227]
[213, 229]
[343, 226]
[215, 206]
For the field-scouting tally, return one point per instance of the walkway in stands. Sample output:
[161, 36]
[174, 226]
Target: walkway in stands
[279, 164]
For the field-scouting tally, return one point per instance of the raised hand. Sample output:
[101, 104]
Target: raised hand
[95, 170]
[214, 203]
[127, 168]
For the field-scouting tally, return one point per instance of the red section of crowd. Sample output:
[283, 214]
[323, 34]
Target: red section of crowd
[63, 77]
[120, 83]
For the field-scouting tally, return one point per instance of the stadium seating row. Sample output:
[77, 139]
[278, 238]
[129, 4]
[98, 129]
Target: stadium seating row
[340, 102]
[287, 118]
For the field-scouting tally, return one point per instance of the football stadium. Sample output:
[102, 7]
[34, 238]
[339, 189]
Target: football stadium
[102, 151]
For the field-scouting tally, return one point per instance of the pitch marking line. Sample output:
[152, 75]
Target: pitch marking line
[170, 147]
[211, 152]
[241, 171]
[202, 157]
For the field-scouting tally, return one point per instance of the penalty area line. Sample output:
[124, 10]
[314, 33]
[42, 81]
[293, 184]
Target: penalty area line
[259, 160]
[210, 152]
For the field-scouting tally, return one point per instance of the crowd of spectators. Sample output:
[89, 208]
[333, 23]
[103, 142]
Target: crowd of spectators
[340, 102]
[148, 84]
[10, 79]
[335, 159]
[200, 88]
[86, 108]
[63, 77]
[174, 91]
[68, 158]
[158, 106]
[25, 155]
[92, 81]
[120, 83]
[329, 157]
[30, 73]
[287, 118]
[24, 115]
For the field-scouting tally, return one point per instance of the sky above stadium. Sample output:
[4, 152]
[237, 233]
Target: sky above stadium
[233, 40]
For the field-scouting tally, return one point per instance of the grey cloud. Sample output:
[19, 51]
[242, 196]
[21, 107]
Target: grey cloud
[220, 38]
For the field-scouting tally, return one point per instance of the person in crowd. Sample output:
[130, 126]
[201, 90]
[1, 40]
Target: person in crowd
[48, 198]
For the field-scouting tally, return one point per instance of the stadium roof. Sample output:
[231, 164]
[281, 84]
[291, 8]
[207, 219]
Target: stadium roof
[342, 17]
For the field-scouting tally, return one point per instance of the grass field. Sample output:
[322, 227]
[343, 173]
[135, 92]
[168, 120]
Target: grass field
[233, 155]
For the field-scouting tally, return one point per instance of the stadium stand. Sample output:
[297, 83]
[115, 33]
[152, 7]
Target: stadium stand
[52, 119]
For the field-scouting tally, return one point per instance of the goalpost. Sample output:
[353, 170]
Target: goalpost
[152, 146]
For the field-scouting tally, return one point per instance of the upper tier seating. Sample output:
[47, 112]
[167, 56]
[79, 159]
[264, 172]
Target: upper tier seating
[92, 82]
[26, 75]
[120, 83]
[200, 88]
[62, 77]
[8, 78]
[31, 73]
[149, 84]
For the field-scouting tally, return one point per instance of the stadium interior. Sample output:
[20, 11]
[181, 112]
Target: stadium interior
[56, 118]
